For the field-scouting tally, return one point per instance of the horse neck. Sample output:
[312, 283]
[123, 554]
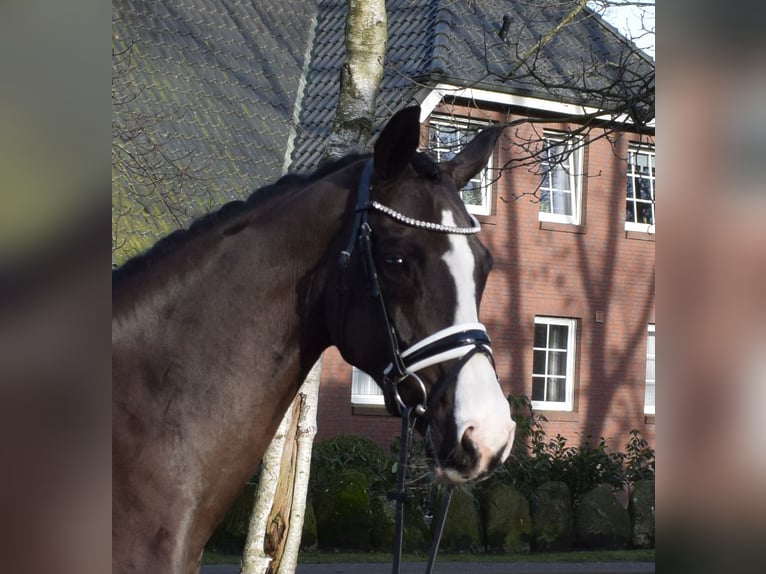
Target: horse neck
[246, 314]
[209, 348]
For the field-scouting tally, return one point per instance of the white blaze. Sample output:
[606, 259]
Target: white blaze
[479, 399]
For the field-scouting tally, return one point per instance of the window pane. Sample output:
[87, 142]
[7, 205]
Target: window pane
[541, 335]
[562, 203]
[538, 366]
[545, 201]
[649, 397]
[646, 213]
[555, 151]
[557, 390]
[363, 384]
[558, 337]
[644, 190]
[631, 191]
[649, 369]
[538, 389]
[557, 363]
[630, 213]
[642, 163]
[472, 193]
[560, 178]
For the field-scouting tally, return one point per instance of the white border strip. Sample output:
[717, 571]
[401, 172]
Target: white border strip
[442, 334]
[438, 93]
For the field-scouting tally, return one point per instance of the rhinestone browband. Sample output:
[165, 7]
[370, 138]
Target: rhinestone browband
[427, 225]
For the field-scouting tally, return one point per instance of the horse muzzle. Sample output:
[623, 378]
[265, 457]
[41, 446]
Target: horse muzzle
[471, 460]
[484, 430]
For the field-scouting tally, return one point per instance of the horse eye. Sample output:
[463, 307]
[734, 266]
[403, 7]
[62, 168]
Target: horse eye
[394, 260]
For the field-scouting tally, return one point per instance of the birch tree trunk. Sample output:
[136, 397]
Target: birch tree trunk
[304, 440]
[255, 560]
[276, 523]
[366, 39]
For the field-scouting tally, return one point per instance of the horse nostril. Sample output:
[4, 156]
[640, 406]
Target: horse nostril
[469, 450]
[466, 441]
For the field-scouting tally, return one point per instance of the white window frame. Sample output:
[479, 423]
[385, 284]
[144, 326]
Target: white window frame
[364, 390]
[631, 177]
[650, 389]
[568, 378]
[573, 168]
[469, 127]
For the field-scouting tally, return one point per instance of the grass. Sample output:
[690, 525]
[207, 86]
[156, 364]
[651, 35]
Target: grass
[367, 557]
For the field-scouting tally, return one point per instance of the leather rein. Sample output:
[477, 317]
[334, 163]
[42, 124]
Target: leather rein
[457, 343]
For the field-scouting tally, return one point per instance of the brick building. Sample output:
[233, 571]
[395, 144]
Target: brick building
[248, 91]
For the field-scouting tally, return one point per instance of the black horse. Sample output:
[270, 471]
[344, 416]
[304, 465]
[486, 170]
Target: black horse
[216, 326]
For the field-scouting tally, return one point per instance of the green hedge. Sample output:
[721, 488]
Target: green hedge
[536, 461]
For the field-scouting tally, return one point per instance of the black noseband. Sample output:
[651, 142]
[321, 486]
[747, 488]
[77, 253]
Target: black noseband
[457, 343]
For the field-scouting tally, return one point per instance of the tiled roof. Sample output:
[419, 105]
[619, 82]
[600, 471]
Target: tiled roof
[469, 48]
[213, 85]
[410, 25]
[458, 41]
[220, 80]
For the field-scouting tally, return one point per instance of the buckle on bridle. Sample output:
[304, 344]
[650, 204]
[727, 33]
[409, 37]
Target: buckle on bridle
[395, 405]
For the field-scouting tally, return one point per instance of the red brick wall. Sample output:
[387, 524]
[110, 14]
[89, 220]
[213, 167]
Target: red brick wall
[336, 416]
[553, 270]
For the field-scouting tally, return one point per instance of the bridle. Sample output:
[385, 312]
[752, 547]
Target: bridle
[457, 343]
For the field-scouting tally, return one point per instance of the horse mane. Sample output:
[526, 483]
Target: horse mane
[171, 243]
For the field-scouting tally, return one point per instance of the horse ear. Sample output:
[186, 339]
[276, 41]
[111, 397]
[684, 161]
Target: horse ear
[473, 157]
[397, 143]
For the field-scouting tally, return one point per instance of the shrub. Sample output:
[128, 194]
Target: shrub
[350, 452]
[417, 478]
[332, 457]
[343, 512]
[587, 467]
[529, 464]
[536, 460]
[639, 459]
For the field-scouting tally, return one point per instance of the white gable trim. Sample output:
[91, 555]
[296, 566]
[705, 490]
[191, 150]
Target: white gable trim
[437, 94]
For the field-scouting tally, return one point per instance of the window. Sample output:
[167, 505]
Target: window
[639, 209]
[364, 389]
[560, 190]
[446, 137]
[649, 391]
[553, 364]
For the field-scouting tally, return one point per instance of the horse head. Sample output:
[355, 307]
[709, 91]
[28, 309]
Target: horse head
[402, 302]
